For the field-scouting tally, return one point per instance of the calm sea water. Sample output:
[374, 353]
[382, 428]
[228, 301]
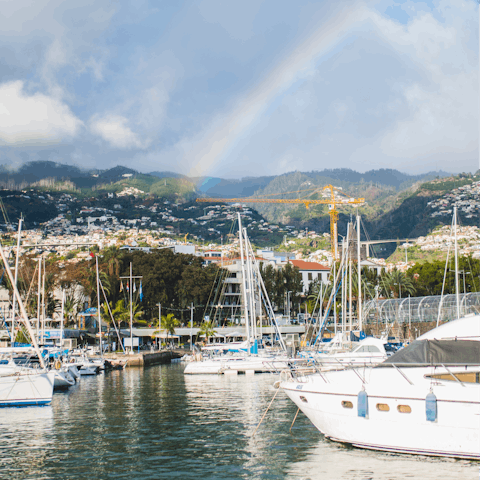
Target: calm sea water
[155, 423]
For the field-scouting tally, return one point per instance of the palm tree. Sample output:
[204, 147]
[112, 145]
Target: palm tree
[207, 329]
[168, 323]
[121, 312]
[396, 284]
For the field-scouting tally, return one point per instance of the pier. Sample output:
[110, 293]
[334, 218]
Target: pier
[144, 359]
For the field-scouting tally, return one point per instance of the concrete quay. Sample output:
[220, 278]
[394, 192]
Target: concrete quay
[144, 359]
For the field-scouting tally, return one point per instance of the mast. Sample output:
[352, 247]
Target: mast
[38, 293]
[359, 289]
[14, 306]
[457, 290]
[43, 303]
[251, 291]
[22, 309]
[245, 305]
[62, 313]
[98, 306]
[131, 309]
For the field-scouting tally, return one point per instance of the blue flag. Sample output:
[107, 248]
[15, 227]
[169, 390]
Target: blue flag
[141, 291]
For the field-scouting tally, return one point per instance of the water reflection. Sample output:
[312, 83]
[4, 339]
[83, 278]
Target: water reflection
[155, 423]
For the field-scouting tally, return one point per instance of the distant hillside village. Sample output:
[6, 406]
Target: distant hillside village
[466, 198]
[126, 220]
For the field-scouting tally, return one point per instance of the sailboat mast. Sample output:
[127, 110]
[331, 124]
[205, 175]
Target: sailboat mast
[43, 303]
[251, 290]
[14, 302]
[38, 293]
[245, 305]
[131, 309]
[457, 290]
[98, 306]
[62, 314]
[359, 289]
[22, 309]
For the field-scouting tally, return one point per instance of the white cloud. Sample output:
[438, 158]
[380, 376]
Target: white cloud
[33, 119]
[115, 130]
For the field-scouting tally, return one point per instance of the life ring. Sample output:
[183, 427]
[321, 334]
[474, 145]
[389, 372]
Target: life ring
[58, 364]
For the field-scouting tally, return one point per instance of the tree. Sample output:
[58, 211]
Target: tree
[168, 323]
[396, 284]
[121, 312]
[207, 329]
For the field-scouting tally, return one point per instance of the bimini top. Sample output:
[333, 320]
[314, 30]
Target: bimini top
[436, 352]
[466, 328]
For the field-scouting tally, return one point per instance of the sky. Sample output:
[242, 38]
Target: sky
[241, 88]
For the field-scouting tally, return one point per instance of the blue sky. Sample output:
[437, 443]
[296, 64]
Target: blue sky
[233, 89]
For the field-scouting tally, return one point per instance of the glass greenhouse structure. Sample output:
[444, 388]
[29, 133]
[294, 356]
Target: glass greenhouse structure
[421, 309]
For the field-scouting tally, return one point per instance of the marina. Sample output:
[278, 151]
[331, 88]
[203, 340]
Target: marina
[240, 240]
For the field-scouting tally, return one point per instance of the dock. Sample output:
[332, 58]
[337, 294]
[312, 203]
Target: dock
[144, 359]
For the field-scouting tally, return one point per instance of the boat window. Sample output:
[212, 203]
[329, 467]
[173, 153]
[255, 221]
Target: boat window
[464, 377]
[383, 407]
[361, 349]
[303, 399]
[347, 404]
[404, 408]
[373, 349]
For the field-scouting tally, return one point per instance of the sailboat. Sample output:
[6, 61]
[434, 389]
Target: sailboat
[249, 357]
[21, 386]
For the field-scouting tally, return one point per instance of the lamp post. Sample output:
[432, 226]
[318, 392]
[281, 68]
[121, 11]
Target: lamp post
[288, 303]
[159, 323]
[399, 289]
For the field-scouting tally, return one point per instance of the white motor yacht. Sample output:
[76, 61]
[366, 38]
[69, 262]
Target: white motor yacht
[234, 364]
[425, 399]
[367, 352]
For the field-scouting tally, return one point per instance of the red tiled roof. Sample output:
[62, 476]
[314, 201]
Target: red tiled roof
[302, 265]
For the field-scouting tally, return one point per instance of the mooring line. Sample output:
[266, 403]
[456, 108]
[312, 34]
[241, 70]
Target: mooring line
[269, 405]
[294, 420]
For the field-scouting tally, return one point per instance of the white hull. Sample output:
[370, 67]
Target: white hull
[63, 380]
[455, 433]
[248, 364]
[26, 389]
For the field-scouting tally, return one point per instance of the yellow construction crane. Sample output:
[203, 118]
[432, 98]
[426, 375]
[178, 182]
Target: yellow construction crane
[336, 197]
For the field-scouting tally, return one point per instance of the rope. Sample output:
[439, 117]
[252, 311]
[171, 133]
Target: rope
[294, 420]
[269, 405]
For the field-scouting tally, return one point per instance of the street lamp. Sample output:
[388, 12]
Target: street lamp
[288, 303]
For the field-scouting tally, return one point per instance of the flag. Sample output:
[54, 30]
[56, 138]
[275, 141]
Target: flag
[121, 285]
[134, 287]
[141, 291]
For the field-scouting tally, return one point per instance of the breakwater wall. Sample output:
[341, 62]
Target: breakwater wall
[144, 359]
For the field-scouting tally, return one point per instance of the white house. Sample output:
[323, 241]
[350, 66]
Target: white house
[311, 271]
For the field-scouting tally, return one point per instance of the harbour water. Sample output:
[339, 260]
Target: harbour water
[156, 423]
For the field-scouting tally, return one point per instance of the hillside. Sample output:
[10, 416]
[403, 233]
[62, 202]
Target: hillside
[397, 205]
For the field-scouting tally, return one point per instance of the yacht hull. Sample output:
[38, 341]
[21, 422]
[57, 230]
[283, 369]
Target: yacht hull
[239, 365]
[396, 420]
[26, 389]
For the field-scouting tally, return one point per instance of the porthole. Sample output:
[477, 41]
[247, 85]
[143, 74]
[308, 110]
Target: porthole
[383, 407]
[347, 404]
[303, 399]
[404, 409]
